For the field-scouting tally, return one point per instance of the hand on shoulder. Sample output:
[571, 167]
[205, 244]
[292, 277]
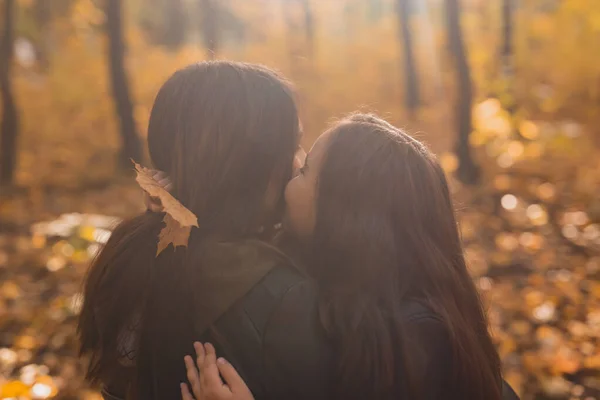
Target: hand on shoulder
[205, 377]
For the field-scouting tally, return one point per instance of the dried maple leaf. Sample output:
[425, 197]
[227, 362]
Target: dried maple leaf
[174, 233]
[178, 219]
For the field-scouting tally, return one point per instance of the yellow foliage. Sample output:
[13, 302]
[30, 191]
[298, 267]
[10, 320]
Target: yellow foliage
[69, 122]
[13, 389]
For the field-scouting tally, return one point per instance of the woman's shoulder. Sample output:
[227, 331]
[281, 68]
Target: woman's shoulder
[284, 283]
[273, 332]
[246, 251]
[280, 270]
[248, 276]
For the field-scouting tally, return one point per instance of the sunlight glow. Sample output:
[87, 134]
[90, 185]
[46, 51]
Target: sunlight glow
[509, 202]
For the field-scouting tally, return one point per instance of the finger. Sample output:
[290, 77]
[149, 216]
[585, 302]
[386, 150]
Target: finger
[231, 376]
[193, 375]
[211, 354]
[185, 392]
[199, 355]
[211, 380]
[168, 186]
[212, 385]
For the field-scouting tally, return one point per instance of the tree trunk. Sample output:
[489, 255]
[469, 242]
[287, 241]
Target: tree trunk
[411, 84]
[468, 172]
[42, 14]
[9, 127]
[291, 35]
[210, 27]
[175, 24]
[131, 146]
[507, 33]
[506, 55]
[309, 25]
[375, 10]
[427, 38]
[300, 23]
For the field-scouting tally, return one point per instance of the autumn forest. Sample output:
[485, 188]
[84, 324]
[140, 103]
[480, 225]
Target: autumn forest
[505, 92]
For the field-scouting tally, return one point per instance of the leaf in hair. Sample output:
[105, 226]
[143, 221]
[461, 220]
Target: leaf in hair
[178, 219]
[174, 233]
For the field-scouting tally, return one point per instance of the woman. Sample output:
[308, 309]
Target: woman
[226, 134]
[372, 210]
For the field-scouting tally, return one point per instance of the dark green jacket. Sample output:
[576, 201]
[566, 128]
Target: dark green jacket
[260, 312]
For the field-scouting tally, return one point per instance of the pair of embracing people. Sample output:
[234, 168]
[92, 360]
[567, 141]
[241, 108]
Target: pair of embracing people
[342, 278]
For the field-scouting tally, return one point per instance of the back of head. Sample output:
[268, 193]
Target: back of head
[386, 234]
[223, 131]
[226, 134]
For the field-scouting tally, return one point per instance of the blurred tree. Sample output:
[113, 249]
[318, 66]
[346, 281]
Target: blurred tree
[164, 22]
[151, 21]
[42, 15]
[175, 23]
[506, 55]
[507, 34]
[375, 10]
[210, 26]
[10, 124]
[411, 84]
[292, 10]
[131, 146]
[230, 23]
[468, 171]
[309, 24]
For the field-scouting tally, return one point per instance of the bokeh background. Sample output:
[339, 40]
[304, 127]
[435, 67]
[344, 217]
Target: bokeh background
[506, 92]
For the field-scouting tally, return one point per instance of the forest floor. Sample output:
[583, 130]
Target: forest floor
[531, 231]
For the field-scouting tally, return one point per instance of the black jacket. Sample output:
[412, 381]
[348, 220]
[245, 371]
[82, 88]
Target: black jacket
[273, 337]
[429, 341]
[260, 312]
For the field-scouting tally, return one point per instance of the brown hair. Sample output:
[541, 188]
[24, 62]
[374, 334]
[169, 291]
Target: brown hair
[226, 134]
[386, 233]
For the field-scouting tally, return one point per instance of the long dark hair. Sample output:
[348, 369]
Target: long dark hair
[226, 134]
[386, 233]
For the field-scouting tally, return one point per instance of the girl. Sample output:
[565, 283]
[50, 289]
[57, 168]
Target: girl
[226, 134]
[372, 212]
